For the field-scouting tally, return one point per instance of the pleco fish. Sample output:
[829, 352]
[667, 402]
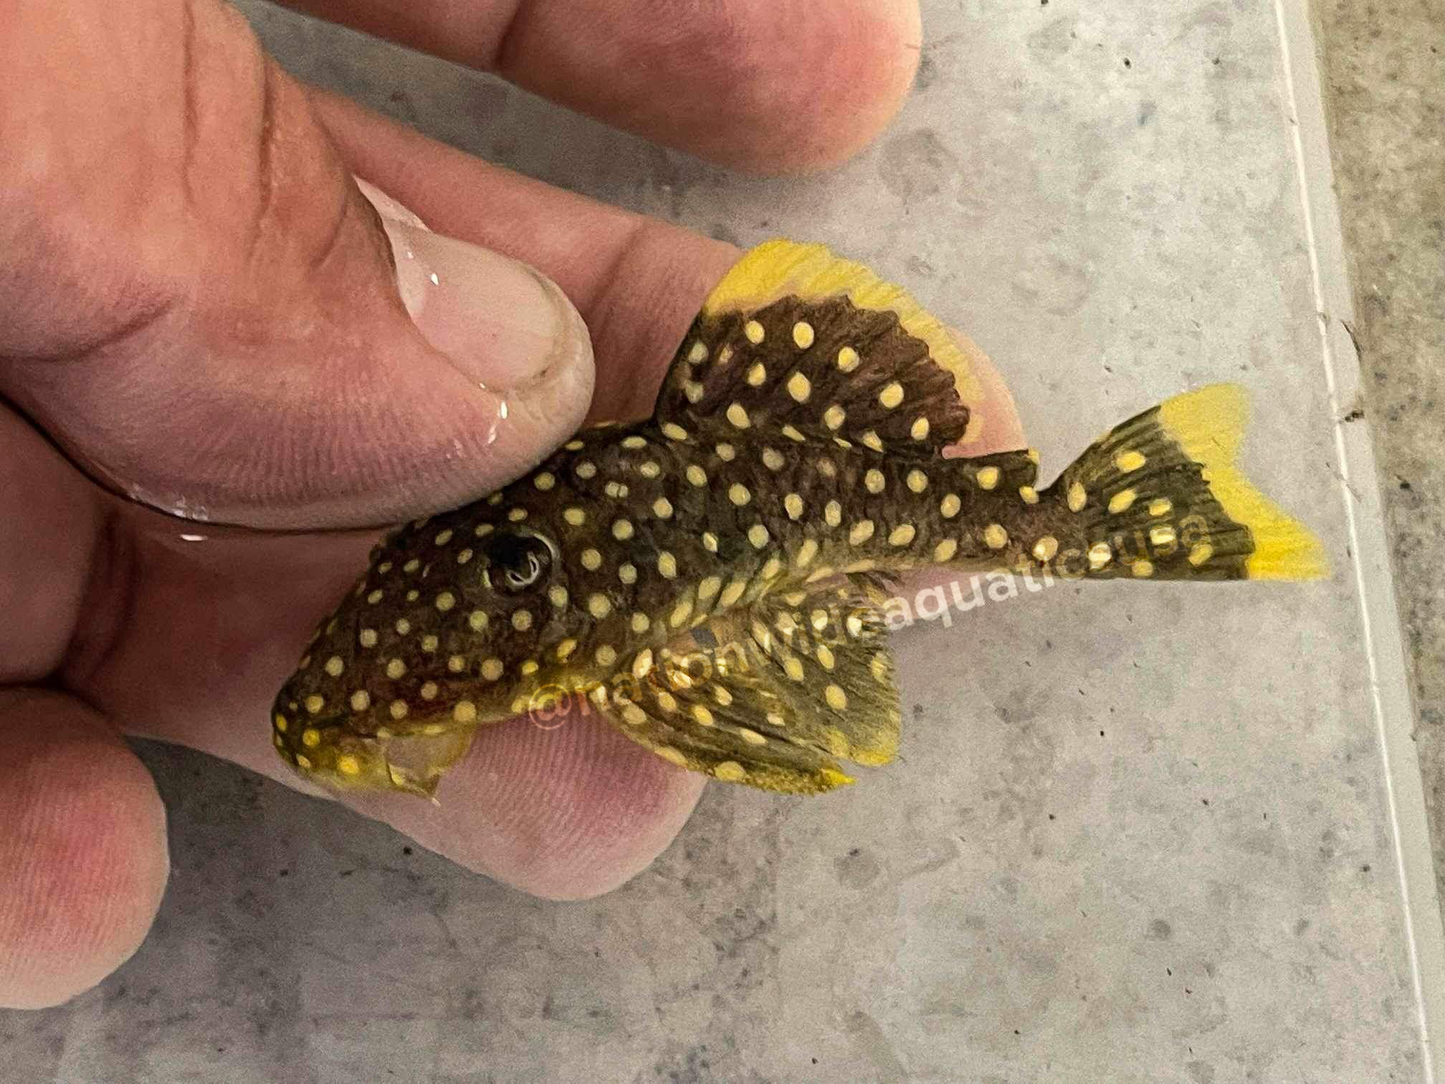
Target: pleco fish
[708, 580]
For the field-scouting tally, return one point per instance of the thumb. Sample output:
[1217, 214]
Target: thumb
[204, 310]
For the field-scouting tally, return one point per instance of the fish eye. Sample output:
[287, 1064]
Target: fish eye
[517, 561]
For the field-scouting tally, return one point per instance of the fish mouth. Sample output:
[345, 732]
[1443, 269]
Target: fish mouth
[415, 758]
[377, 750]
[416, 762]
[413, 763]
[411, 759]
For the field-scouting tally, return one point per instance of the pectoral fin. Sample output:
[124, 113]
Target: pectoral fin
[773, 696]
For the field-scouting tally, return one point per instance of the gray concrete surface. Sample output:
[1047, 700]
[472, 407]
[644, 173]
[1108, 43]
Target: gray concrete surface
[1136, 833]
[1384, 69]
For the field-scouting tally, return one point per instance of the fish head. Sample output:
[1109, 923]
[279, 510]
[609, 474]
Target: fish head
[460, 621]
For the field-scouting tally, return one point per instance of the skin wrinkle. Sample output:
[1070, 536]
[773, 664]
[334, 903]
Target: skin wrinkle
[110, 591]
[106, 303]
[116, 477]
[643, 242]
[114, 338]
[208, 432]
[264, 160]
[331, 247]
[500, 54]
[378, 231]
[604, 314]
[189, 110]
[54, 536]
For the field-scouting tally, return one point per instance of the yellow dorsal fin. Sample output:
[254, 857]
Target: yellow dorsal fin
[798, 339]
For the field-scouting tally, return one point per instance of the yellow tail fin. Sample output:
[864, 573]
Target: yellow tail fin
[1160, 497]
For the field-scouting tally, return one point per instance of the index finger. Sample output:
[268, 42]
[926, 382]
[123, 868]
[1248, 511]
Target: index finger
[761, 85]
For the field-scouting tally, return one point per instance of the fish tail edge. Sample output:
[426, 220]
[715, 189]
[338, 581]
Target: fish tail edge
[1180, 456]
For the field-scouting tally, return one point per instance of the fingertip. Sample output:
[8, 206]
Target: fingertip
[624, 813]
[814, 98]
[564, 813]
[763, 86]
[83, 853]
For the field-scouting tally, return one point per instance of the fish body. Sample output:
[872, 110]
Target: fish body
[708, 580]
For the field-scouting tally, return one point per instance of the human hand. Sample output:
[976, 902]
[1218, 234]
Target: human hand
[198, 308]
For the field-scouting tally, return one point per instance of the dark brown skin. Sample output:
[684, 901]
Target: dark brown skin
[150, 307]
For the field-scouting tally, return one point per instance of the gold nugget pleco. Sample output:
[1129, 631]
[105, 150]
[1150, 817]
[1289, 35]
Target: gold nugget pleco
[709, 578]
